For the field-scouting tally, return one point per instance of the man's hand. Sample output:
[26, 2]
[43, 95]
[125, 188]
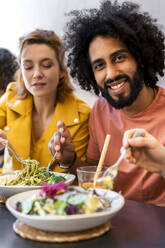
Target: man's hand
[146, 151]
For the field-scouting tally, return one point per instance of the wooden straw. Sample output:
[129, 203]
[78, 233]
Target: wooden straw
[102, 157]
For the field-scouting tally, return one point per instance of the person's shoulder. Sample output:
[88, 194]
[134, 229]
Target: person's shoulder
[11, 87]
[11, 90]
[9, 93]
[82, 106]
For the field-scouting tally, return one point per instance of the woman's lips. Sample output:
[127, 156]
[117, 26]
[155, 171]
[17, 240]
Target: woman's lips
[38, 85]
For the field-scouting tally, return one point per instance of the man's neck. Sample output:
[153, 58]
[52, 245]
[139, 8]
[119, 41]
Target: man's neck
[144, 99]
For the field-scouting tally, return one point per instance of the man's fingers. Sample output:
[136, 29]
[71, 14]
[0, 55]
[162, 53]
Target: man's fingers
[140, 142]
[129, 140]
[127, 135]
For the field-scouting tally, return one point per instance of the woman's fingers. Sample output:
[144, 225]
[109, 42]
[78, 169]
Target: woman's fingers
[3, 134]
[65, 134]
[3, 139]
[54, 144]
[61, 142]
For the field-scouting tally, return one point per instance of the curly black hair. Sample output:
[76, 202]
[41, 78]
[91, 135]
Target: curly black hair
[8, 67]
[138, 31]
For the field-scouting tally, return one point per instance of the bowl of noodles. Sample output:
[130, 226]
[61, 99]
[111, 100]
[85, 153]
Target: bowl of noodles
[30, 178]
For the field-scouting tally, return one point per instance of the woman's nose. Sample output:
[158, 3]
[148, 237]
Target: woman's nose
[37, 73]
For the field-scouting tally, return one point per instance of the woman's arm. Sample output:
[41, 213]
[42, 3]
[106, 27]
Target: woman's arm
[62, 143]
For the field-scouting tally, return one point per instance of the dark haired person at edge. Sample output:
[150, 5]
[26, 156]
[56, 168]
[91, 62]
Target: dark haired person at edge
[8, 68]
[118, 51]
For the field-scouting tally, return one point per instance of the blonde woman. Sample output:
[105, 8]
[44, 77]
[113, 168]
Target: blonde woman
[43, 95]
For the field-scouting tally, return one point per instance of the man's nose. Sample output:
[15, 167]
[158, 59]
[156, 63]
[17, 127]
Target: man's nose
[111, 72]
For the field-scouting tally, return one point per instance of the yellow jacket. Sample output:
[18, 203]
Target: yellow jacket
[16, 121]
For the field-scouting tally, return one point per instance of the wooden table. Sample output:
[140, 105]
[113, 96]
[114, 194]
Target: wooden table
[137, 225]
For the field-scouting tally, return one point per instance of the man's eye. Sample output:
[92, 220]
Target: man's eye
[119, 58]
[98, 67]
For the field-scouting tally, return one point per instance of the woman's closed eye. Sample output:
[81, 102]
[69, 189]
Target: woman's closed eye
[47, 64]
[27, 67]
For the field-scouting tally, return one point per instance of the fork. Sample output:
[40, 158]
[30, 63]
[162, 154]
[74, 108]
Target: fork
[15, 154]
[113, 170]
[13, 151]
[54, 157]
[24, 162]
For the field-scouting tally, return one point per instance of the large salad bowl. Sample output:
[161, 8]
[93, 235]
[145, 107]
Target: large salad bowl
[68, 223]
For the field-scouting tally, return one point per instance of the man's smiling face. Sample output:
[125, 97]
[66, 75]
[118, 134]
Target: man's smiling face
[115, 71]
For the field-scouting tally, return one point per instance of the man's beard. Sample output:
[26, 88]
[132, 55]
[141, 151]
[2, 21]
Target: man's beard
[136, 85]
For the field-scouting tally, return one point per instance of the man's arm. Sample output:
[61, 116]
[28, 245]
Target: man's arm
[146, 152]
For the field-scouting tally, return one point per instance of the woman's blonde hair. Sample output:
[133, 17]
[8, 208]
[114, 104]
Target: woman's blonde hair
[49, 38]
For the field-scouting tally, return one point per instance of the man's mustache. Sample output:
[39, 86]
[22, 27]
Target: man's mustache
[117, 78]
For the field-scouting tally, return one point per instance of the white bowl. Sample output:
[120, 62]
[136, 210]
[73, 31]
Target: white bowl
[68, 223]
[10, 190]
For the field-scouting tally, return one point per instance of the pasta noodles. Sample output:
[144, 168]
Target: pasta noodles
[30, 175]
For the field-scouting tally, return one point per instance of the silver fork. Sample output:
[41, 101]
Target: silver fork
[15, 154]
[13, 151]
[54, 157]
[24, 162]
[113, 170]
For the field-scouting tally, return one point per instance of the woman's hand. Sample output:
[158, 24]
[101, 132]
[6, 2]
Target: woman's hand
[3, 139]
[62, 143]
[146, 151]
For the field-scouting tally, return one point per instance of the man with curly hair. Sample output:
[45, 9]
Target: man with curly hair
[118, 52]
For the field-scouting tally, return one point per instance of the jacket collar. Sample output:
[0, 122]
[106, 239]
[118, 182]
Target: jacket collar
[67, 110]
[21, 107]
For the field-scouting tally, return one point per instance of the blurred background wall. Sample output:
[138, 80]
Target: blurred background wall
[18, 17]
